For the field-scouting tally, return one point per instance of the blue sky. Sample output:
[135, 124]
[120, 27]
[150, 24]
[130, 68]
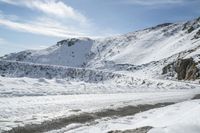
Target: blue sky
[36, 24]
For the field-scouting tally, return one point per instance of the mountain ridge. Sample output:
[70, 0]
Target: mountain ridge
[134, 49]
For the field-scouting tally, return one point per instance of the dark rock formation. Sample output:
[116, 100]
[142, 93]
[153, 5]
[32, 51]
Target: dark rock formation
[191, 26]
[168, 68]
[197, 35]
[161, 25]
[191, 29]
[186, 69]
[21, 56]
[69, 42]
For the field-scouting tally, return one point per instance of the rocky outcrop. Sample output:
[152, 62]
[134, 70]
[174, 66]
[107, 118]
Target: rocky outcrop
[69, 42]
[18, 56]
[197, 35]
[169, 69]
[186, 69]
[191, 26]
[31, 70]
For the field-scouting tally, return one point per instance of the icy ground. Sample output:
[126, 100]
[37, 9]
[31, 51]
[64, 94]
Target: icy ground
[32, 101]
[182, 117]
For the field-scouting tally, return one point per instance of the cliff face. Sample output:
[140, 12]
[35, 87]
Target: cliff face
[185, 69]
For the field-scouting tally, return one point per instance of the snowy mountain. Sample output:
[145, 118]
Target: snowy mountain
[71, 52]
[127, 82]
[160, 46]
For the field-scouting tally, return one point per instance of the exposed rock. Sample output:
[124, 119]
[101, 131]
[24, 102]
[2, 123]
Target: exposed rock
[20, 69]
[190, 26]
[186, 69]
[69, 42]
[168, 68]
[197, 35]
[161, 25]
[19, 56]
[191, 29]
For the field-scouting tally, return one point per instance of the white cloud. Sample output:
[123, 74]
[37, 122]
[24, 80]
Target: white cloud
[50, 7]
[52, 27]
[57, 19]
[49, 29]
[56, 8]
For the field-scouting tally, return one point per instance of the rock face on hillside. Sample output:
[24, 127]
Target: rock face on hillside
[19, 69]
[185, 69]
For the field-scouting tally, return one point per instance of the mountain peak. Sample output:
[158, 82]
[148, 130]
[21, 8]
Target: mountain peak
[71, 41]
[161, 26]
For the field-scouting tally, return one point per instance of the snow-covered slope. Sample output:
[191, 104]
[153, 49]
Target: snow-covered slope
[70, 52]
[136, 48]
[143, 53]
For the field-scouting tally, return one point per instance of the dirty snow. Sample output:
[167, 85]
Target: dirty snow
[182, 117]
